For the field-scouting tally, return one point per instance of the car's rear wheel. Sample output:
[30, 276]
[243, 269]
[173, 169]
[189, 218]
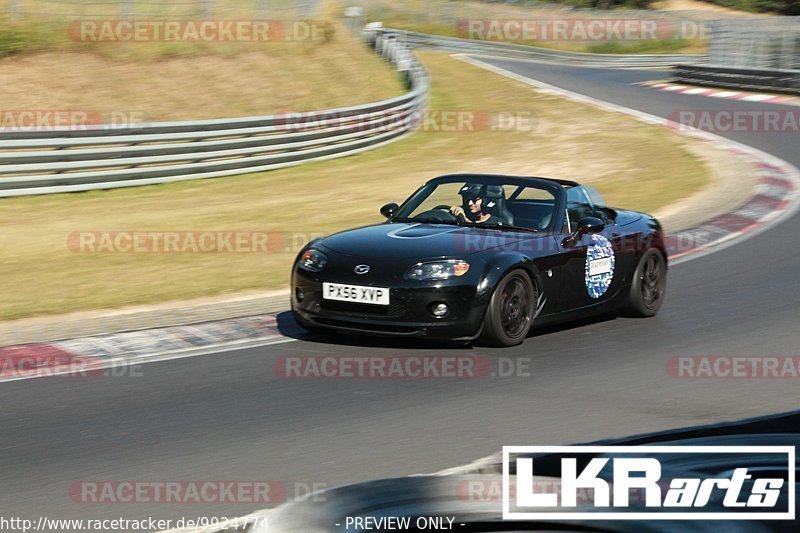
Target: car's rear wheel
[510, 313]
[649, 285]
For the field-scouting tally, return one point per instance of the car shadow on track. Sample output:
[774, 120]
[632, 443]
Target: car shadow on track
[569, 325]
[289, 328]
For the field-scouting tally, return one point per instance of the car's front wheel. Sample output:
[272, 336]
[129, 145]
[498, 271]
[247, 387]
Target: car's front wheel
[649, 285]
[510, 313]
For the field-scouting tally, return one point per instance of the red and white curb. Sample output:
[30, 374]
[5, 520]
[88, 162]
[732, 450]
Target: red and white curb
[112, 354]
[774, 194]
[720, 93]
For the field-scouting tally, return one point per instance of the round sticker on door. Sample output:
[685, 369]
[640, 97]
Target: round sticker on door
[599, 266]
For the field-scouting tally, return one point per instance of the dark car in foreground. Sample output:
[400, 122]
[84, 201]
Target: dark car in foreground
[472, 256]
[472, 498]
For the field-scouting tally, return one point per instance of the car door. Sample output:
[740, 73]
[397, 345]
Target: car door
[589, 275]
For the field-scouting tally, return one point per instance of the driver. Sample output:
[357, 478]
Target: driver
[473, 209]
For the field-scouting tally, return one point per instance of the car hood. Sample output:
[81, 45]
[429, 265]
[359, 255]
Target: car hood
[420, 240]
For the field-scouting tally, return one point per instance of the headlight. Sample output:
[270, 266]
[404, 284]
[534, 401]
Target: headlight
[438, 270]
[313, 260]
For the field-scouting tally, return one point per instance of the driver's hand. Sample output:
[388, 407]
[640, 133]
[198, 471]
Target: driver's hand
[457, 211]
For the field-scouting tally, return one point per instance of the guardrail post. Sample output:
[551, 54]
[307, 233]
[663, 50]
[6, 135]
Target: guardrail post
[387, 48]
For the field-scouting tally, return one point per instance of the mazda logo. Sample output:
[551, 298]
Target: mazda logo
[361, 269]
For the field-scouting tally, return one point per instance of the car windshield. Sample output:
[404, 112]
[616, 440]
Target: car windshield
[488, 203]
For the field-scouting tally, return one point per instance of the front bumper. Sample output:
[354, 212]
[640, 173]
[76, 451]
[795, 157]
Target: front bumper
[407, 315]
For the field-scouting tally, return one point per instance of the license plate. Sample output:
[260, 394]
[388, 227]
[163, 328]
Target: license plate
[355, 293]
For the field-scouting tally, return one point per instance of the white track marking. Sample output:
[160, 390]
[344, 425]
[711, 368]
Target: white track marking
[119, 362]
[695, 91]
[758, 97]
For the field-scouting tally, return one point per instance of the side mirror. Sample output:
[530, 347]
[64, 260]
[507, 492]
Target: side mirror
[389, 209]
[589, 225]
[586, 226]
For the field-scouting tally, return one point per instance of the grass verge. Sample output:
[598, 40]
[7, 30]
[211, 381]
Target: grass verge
[633, 164]
[31, 26]
[257, 79]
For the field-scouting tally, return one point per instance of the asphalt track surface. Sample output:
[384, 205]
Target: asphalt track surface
[228, 417]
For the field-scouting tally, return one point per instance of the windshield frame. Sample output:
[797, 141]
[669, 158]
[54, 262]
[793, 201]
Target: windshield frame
[554, 187]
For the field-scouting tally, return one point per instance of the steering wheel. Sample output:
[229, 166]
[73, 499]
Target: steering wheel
[440, 212]
[444, 207]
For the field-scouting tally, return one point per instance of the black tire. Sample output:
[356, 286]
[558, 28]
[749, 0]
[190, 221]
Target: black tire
[509, 316]
[648, 287]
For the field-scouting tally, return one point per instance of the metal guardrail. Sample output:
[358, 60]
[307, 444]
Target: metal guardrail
[753, 79]
[519, 51]
[769, 42]
[68, 160]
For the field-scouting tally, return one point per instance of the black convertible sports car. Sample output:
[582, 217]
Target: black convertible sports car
[482, 257]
